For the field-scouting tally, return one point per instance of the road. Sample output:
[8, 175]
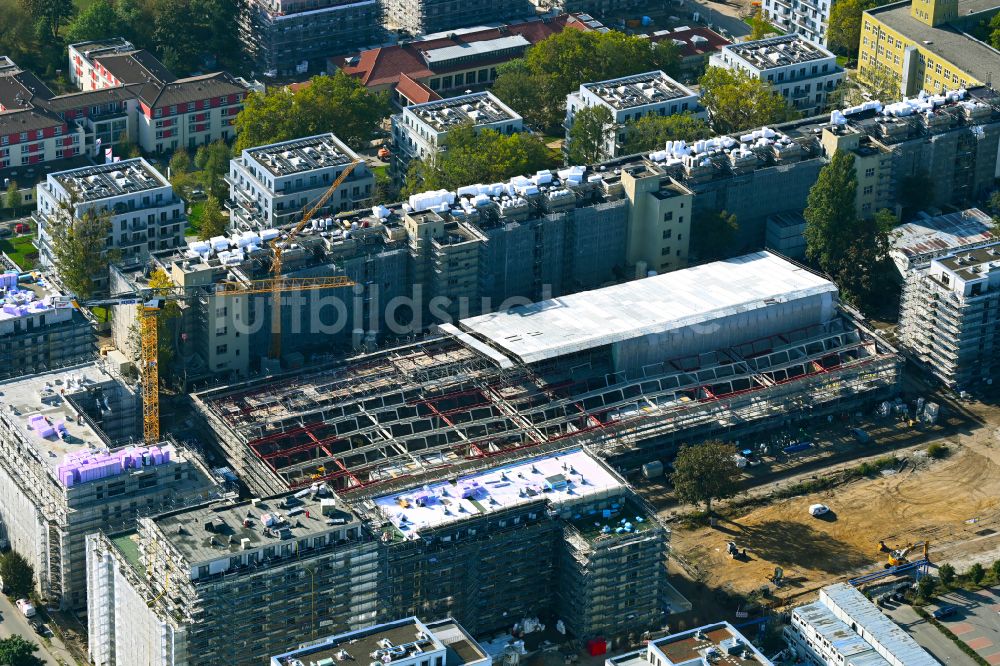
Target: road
[929, 637]
[13, 622]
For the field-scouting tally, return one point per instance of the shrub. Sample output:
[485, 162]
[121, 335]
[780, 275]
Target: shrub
[946, 573]
[937, 450]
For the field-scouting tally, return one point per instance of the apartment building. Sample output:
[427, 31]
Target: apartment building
[712, 643]
[948, 316]
[39, 328]
[800, 71]
[926, 45]
[659, 228]
[67, 469]
[270, 186]
[145, 213]
[108, 63]
[231, 581]
[845, 627]
[406, 642]
[808, 18]
[916, 243]
[424, 17]
[420, 130]
[629, 98]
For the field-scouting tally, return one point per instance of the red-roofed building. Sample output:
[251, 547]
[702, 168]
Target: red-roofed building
[460, 61]
[696, 44]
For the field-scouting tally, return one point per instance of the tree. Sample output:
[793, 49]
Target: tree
[50, 15]
[881, 85]
[17, 573]
[946, 573]
[653, 132]
[737, 101]
[759, 28]
[852, 250]
[340, 104]
[469, 157]
[13, 197]
[180, 171]
[588, 135]
[994, 31]
[536, 85]
[713, 235]
[125, 149]
[995, 570]
[213, 222]
[843, 33]
[976, 573]
[79, 246]
[925, 586]
[97, 21]
[18, 651]
[705, 472]
[213, 161]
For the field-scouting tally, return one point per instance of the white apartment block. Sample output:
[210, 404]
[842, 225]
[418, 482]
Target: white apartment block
[270, 185]
[630, 98]
[802, 72]
[419, 131]
[844, 628]
[809, 18]
[145, 213]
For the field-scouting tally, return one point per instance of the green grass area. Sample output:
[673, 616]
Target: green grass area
[194, 218]
[103, 314]
[21, 251]
[381, 171]
[593, 525]
[128, 546]
[770, 27]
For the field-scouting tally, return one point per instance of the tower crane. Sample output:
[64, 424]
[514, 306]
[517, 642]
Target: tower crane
[150, 302]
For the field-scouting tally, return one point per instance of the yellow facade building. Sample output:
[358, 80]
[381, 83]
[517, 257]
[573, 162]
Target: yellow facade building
[927, 45]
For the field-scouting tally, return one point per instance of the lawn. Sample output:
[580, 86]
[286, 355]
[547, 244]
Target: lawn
[194, 218]
[770, 28]
[21, 251]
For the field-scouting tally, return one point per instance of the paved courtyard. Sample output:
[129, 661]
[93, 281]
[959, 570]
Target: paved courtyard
[978, 621]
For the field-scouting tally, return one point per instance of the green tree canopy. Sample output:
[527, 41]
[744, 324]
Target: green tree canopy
[713, 235]
[97, 21]
[993, 36]
[737, 101]
[653, 132]
[13, 197]
[50, 15]
[213, 222]
[17, 650]
[184, 31]
[79, 246]
[338, 104]
[17, 573]
[844, 32]
[213, 162]
[706, 472]
[536, 85]
[586, 137]
[851, 249]
[470, 157]
[759, 27]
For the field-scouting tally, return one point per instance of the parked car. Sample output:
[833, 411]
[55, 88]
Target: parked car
[945, 611]
[21, 228]
[26, 607]
[818, 510]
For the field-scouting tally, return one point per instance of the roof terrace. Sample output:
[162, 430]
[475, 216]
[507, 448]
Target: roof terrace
[638, 90]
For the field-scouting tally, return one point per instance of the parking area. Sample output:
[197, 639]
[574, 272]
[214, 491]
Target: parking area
[977, 620]
[927, 635]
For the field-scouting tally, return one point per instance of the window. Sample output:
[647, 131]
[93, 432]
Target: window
[668, 216]
[668, 233]
[868, 189]
[665, 252]
[870, 172]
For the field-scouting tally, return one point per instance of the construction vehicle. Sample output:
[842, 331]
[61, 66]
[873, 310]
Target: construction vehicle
[898, 556]
[150, 302]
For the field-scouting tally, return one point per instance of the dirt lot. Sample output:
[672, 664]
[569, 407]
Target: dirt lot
[954, 503]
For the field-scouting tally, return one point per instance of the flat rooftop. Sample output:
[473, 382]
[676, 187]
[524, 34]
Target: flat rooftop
[778, 51]
[300, 155]
[482, 108]
[973, 264]
[27, 299]
[941, 233]
[968, 54]
[652, 305]
[479, 49]
[392, 641]
[559, 478]
[103, 46]
[846, 642]
[629, 92]
[890, 635]
[111, 180]
[300, 516]
[717, 644]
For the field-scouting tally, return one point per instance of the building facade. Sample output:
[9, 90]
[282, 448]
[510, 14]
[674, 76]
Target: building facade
[712, 643]
[271, 186]
[628, 99]
[66, 470]
[422, 17]
[926, 45]
[949, 314]
[802, 72]
[144, 212]
[808, 18]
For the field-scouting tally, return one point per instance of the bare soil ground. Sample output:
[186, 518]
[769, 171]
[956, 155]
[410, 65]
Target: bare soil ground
[953, 503]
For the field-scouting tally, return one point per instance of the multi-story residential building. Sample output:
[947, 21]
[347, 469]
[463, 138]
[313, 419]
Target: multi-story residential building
[269, 186]
[108, 63]
[422, 70]
[844, 627]
[422, 17]
[915, 243]
[808, 18]
[695, 44]
[628, 99]
[406, 642]
[39, 328]
[713, 643]
[67, 470]
[926, 45]
[206, 584]
[145, 213]
[948, 316]
[283, 37]
[659, 227]
[419, 131]
[802, 72]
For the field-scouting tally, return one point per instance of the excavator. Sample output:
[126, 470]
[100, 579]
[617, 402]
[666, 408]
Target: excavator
[898, 556]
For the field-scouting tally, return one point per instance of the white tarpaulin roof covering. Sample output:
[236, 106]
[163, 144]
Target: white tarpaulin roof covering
[651, 306]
